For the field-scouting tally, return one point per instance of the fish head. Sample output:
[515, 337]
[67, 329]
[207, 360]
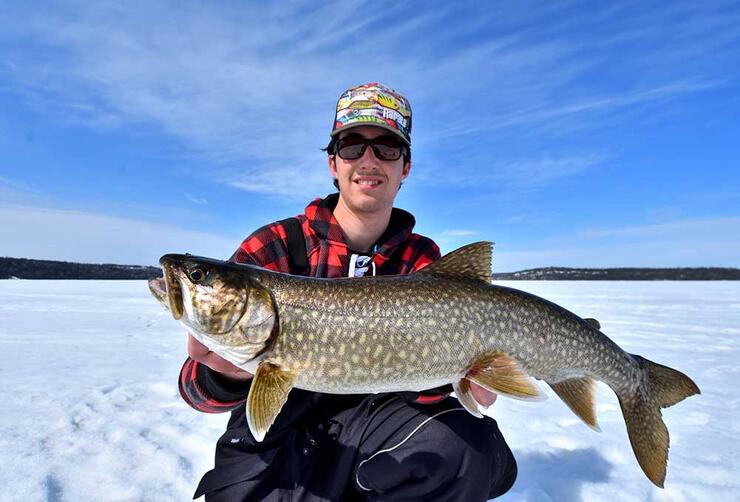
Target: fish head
[206, 295]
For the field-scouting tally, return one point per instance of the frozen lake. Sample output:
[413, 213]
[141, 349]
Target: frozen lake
[91, 410]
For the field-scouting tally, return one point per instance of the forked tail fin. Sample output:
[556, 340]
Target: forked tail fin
[648, 434]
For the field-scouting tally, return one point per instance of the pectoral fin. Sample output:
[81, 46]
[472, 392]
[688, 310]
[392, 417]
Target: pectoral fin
[499, 372]
[462, 391]
[578, 394]
[269, 391]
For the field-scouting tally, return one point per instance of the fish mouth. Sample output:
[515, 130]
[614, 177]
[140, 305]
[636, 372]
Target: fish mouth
[173, 290]
[158, 289]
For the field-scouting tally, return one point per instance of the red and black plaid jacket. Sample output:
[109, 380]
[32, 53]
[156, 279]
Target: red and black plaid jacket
[398, 251]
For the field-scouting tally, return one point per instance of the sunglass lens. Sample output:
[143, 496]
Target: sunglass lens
[384, 148]
[387, 152]
[351, 151]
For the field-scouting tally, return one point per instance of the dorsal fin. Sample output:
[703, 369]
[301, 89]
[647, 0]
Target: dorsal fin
[593, 322]
[472, 261]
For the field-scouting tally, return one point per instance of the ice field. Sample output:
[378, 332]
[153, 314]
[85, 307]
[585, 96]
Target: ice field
[91, 410]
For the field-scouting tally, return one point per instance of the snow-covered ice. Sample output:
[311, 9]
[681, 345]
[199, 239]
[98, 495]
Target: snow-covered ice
[91, 410]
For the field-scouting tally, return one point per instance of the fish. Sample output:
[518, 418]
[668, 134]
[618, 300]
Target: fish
[446, 323]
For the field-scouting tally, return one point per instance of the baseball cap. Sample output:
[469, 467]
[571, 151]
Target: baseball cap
[373, 105]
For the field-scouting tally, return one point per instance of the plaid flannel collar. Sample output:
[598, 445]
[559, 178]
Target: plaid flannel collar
[320, 214]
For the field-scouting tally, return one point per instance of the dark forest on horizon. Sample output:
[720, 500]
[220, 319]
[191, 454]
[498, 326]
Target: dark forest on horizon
[22, 268]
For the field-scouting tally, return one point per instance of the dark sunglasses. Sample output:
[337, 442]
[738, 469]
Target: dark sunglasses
[384, 147]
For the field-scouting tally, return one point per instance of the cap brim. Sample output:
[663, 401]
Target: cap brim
[374, 124]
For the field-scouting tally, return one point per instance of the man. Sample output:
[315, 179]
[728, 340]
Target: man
[400, 446]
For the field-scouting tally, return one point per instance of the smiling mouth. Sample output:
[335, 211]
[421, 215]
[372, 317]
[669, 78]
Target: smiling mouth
[368, 183]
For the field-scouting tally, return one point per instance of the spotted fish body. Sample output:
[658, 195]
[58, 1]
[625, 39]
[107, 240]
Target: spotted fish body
[411, 333]
[444, 324]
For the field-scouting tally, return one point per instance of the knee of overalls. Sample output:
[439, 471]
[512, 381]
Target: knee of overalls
[435, 453]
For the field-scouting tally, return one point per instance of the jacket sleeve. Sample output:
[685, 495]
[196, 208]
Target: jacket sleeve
[426, 252]
[204, 389]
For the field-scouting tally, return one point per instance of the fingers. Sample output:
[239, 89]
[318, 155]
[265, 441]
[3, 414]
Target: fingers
[203, 354]
[483, 396]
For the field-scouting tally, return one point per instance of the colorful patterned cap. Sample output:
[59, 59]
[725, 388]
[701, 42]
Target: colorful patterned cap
[376, 105]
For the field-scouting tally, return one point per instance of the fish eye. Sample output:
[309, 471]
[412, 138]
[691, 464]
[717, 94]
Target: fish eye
[197, 274]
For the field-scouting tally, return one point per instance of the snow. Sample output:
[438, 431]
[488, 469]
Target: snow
[91, 409]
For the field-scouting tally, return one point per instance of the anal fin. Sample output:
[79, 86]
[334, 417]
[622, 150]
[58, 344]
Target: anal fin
[267, 395]
[499, 372]
[578, 394]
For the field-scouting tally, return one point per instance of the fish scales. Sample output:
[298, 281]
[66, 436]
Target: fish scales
[399, 334]
[444, 324]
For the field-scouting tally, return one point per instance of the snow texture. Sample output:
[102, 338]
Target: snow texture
[91, 409]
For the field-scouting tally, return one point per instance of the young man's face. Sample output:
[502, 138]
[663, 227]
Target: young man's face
[368, 184]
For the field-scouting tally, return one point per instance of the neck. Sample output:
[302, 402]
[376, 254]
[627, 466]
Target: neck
[361, 230]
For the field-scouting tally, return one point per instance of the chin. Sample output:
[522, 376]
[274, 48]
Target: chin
[368, 203]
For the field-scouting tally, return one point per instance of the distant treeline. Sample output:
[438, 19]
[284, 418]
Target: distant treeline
[622, 274]
[22, 268]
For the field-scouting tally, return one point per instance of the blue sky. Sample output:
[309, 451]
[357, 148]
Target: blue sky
[593, 134]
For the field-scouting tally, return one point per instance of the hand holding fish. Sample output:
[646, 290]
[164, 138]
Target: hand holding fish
[199, 352]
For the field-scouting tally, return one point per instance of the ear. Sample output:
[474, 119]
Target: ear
[406, 170]
[332, 165]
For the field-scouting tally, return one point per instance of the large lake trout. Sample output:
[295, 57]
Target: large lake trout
[443, 324]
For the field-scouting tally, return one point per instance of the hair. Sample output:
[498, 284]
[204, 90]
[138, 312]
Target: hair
[330, 149]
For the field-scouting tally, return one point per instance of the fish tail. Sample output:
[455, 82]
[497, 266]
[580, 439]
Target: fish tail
[648, 433]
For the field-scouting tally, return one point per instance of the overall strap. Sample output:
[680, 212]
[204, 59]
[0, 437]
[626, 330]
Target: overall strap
[296, 246]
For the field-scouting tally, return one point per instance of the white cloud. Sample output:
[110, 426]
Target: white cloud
[16, 186]
[451, 239]
[459, 233]
[41, 233]
[707, 228]
[697, 242]
[544, 170]
[293, 179]
[552, 110]
[254, 84]
[520, 173]
[200, 201]
[15, 192]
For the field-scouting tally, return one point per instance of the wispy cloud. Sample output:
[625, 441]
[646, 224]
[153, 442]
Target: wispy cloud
[281, 179]
[534, 172]
[459, 233]
[252, 86]
[451, 239]
[544, 113]
[15, 192]
[37, 232]
[9, 184]
[200, 201]
[515, 174]
[691, 242]
[693, 229]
